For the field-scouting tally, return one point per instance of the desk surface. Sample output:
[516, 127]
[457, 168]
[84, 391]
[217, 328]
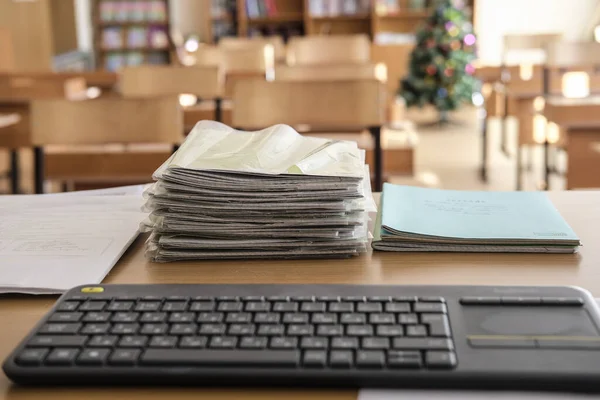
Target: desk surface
[580, 209]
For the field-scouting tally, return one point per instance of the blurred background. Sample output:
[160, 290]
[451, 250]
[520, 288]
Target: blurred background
[456, 94]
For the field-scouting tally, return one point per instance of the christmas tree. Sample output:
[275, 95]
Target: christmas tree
[441, 69]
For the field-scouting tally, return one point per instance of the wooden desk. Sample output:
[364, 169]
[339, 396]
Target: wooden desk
[580, 209]
[581, 120]
[7, 120]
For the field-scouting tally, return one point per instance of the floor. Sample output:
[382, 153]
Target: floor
[446, 157]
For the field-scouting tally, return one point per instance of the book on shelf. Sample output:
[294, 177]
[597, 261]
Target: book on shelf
[261, 8]
[334, 8]
[133, 11]
[222, 8]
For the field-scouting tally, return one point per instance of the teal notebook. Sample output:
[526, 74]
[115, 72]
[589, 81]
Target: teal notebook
[419, 219]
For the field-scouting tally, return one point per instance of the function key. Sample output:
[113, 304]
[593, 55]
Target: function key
[203, 298]
[563, 301]
[432, 299]
[148, 306]
[126, 298]
[397, 307]
[258, 306]
[341, 307]
[230, 306]
[78, 298]
[100, 297]
[353, 298]
[328, 298]
[68, 306]
[253, 298]
[120, 306]
[312, 306]
[379, 298]
[176, 298]
[174, 306]
[429, 307]
[151, 298]
[93, 305]
[480, 300]
[32, 356]
[64, 356]
[202, 306]
[278, 298]
[303, 298]
[411, 299]
[285, 306]
[369, 307]
[227, 298]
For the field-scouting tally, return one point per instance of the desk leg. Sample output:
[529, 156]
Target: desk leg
[484, 146]
[546, 165]
[219, 109]
[377, 157]
[14, 171]
[38, 160]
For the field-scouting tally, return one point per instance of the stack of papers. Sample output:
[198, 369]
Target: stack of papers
[419, 219]
[228, 194]
[50, 243]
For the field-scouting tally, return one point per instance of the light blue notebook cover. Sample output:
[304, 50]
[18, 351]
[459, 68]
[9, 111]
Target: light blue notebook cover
[478, 217]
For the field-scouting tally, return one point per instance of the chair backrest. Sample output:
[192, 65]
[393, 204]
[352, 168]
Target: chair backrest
[22, 87]
[242, 43]
[322, 105]
[334, 49]
[151, 81]
[566, 57]
[324, 72]
[208, 55]
[106, 120]
[7, 54]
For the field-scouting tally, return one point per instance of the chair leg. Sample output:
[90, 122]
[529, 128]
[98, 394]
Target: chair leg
[547, 164]
[484, 146]
[38, 160]
[377, 157]
[219, 109]
[519, 168]
[14, 171]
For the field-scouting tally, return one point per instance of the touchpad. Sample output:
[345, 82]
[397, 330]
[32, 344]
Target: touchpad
[529, 321]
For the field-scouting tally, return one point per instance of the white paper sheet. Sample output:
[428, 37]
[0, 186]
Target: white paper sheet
[50, 243]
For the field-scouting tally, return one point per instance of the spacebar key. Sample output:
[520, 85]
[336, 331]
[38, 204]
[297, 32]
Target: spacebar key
[222, 358]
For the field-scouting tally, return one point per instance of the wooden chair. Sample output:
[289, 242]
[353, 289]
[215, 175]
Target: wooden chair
[321, 106]
[325, 72]
[241, 43]
[335, 49]
[101, 122]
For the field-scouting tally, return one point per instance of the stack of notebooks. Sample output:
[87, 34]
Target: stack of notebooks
[418, 219]
[228, 194]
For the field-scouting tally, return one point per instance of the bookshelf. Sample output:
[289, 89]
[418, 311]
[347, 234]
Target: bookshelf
[223, 19]
[131, 32]
[270, 17]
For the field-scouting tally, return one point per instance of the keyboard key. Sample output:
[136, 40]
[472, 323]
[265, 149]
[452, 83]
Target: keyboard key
[379, 298]
[253, 342]
[314, 358]
[163, 341]
[68, 306]
[238, 318]
[344, 343]
[432, 299]
[133, 341]
[66, 317]
[330, 330]
[174, 306]
[258, 306]
[416, 330]
[390, 330]
[222, 358]
[440, 359]
[328, 298]
[295, 318]
[267, 318]
[353, 298]
[153, 317]
[103, 341]
[429, 308]
[359, 330]
[241, 329]
[353, 318]
[228, 298]
[121, 306]
[370, 359]
[32, 356]
[314, 342]
[563, 301]
[324, 318]
[125, 356]
[289, 306]
[57, 341]
[404, 359]
[203, 298]
[278, 298]
[300, 330]
[182, 317]
[382, 318]
[369, 307]
[212, 329]
[202, 306]
[93, 306]
[148, 306]
[439, 326]
[271, 330]
[397, 307]
[223, 342]
[408, 319]
[125, 329]
[64, 356]
[125, 317]
[93, 357]
[230, 306]
[94, 316]
[341, 307]
[312, 307]
[60, 329]
[302, 298]
[409, 299]
[176, 298]
[183, 329]
[210, 317]
[422, 344]
[283, 342]
[254, 298]
[375, 343]
[193, 342]
[480, 300]
[154, 329]
[341, 359]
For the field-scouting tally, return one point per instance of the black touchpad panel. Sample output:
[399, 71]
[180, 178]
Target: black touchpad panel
[528, 321]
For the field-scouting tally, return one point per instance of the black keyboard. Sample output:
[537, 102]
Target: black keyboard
[316, 335]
